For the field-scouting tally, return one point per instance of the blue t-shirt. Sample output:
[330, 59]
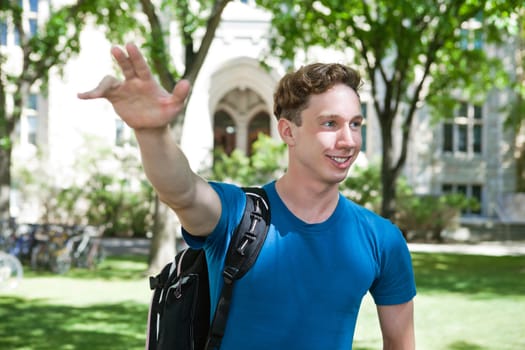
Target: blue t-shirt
[306, 287]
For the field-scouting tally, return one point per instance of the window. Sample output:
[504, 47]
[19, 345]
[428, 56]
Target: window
[468, 190]
[32, 129]
[3, 33]
[30, 113]
[448, 137]
[464, 132]
[364, 112]
[224, 133]
[471, 34]
[477, 139]
[462, 138]
[32, 26]
[32, 102]
[29, 23]
[17, 37]
[260, 123]
[33, 5]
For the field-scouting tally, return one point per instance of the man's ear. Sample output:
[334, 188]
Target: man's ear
[286, 130]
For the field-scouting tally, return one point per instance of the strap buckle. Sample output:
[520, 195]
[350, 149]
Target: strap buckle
[229, 274]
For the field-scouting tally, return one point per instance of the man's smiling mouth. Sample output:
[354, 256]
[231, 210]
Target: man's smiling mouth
[340, 159]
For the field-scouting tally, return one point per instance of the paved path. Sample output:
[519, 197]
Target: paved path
[141, 246]
[119, 246]
[482, 248]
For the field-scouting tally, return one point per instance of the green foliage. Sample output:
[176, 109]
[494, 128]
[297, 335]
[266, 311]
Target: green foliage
[429, 215]
[265, 164]
[191, 17]
[414, 36]
[410, 52]
[55, 41]
[426, 215]
[363, 186]
[117, 191]
[5, 143]
[111, 191]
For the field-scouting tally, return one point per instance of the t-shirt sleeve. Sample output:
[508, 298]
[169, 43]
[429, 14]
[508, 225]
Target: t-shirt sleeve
[395, 283]
[233, 201]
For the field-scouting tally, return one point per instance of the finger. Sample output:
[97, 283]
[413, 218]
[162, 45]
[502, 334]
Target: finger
[106, 85]
[124, 63]
[181, 91]
[137, 60]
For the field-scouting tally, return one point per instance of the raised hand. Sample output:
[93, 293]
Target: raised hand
[139, 100]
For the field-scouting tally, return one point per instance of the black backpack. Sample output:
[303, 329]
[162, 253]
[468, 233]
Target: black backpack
[179, 314]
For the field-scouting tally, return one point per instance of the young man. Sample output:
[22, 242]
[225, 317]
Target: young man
[323, 253]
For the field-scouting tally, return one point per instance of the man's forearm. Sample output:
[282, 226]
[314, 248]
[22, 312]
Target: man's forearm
[165, 165]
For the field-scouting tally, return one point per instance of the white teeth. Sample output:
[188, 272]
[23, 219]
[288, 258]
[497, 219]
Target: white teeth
[340, 159]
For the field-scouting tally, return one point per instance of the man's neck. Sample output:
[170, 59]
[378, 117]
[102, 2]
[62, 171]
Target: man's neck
[309, 201]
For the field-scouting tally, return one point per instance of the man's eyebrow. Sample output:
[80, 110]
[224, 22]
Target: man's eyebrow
[335, 116]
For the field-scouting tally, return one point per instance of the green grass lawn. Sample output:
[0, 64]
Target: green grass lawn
[464, 302]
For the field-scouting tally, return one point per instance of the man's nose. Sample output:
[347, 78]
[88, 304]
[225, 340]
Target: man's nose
[347, 137]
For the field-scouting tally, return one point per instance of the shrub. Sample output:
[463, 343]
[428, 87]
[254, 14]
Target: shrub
[266, 163]
[108, 188]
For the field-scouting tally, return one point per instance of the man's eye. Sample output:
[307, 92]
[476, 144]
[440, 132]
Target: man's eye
[329, 123]
[356, 124]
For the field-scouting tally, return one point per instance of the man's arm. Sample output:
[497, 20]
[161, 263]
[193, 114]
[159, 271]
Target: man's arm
[148, 108]
[397, 326]
[197, 205]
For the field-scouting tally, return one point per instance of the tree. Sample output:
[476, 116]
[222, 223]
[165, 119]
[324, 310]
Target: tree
[59, 40]
[410, 51]
[40, 52]
[191, 20]
[49, 47]
[516, 120]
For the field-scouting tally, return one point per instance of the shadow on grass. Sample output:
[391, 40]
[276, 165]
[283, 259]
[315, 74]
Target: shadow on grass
[470, 274]
[461, 345]
[112, 268]
[38, 326]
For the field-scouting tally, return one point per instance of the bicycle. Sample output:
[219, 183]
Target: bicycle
[60, 247]
[11, 270]
[21, 241]
[87, 250]
[51, 250]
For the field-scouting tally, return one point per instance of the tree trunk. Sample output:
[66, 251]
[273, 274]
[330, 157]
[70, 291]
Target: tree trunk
[5, 179]
[5, 153]
[388, 173]
[520, 162]
[163, 243]
[388, 180]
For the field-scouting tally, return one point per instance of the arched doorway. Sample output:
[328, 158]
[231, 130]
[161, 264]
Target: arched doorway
[240, 117]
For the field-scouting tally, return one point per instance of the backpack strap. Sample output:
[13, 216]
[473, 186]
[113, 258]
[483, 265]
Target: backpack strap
[157, 284]
[245, 245]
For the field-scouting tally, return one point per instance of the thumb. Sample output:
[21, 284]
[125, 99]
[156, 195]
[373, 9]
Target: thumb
[107, 84]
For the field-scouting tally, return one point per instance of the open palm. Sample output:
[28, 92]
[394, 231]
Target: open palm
[139, 100]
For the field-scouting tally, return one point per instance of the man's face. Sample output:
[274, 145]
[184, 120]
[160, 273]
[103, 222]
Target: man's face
[329, 138]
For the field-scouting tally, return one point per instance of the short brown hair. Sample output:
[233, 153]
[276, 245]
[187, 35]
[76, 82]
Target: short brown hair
[294, 89]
